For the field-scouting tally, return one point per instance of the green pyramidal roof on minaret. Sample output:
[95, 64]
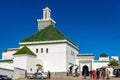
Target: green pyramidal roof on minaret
[24, 50]
[48, 34]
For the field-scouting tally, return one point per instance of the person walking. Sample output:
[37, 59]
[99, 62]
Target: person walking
[97, 73]
[100, 75]
[49, 75]
[85, 74]
[94, 75]
[90, 74]
[104, 73]
[108, 74]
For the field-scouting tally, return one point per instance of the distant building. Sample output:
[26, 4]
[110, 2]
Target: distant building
[51, 49]
[115, 57]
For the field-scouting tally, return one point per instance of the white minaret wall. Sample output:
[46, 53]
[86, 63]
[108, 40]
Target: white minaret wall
[47, 20]
[46, 13]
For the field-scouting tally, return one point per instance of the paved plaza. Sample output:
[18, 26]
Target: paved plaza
[80, 78]
[71, 78]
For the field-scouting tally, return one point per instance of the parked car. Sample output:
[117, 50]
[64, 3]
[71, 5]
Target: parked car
[116, 72]
[44, 76]
[4, 77]
[38, 76]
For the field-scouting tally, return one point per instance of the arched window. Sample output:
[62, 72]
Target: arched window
[46, 15]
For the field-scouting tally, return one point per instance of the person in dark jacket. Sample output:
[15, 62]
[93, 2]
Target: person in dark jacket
[90, 74]
[49, 75]
[85, 74]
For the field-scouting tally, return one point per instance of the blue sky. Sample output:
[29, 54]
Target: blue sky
[94, 25]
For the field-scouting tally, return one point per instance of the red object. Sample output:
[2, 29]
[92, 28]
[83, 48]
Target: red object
[94, 74]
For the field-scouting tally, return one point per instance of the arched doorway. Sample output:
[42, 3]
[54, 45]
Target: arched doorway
[85, 68]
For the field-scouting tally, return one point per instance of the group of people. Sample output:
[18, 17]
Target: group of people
[98, 74]
[101, 74]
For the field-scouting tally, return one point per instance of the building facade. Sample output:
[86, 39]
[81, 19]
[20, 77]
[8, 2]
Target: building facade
[51, 49]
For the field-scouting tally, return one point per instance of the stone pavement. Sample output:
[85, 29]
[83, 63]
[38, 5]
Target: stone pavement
[80, 78]
[71, 78]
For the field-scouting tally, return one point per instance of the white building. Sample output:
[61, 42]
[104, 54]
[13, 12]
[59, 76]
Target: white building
[50, 48]
[115, 57]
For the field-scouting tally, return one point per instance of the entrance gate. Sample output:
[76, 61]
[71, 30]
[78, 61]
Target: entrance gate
[85, 70]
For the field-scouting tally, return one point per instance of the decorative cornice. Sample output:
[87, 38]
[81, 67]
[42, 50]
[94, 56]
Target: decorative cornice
[85, 55]
[11, 49]
[7, 60]
[41, 42]
[49, 42]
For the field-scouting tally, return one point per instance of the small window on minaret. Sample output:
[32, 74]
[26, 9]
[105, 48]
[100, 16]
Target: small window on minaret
[41, 50]
[46, 50]
[45, 15]
[36, 50]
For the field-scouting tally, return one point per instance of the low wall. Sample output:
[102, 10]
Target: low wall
[16, 73]
[7, 72]
[19, 73]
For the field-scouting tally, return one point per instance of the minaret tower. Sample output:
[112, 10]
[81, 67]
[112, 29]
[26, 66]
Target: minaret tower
[46, 13]
[47, 20]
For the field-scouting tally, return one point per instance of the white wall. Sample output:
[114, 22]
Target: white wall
[20, 61]
[55, 59]
[8, 55]
[115, 57]
[31, 64]
[104, 58]
[19, 73]
[98, 64]
[7, 72]
[71, 55]
[26, 62]
[6, 65]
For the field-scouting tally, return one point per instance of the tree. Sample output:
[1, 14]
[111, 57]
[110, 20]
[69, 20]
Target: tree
[103, 55]
[113, 62]
[39, 66]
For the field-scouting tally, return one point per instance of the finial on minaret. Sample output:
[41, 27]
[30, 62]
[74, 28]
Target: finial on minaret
[47, 20]
[47, 2]
[46, 12]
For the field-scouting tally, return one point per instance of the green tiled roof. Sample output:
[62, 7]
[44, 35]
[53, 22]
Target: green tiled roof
[48, 34]
[103, 55]
[7, 60]
[24, 50]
